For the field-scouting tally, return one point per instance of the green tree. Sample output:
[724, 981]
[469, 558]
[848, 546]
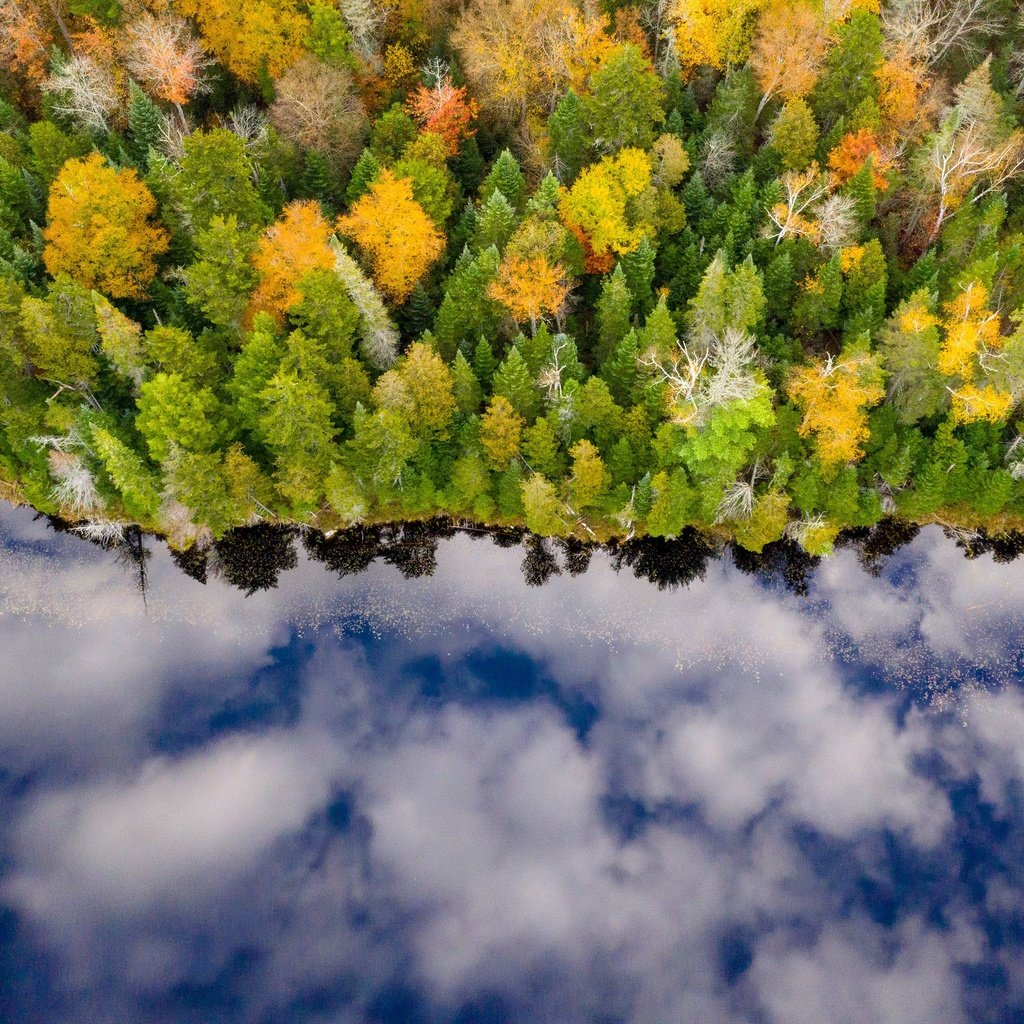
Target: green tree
[505, 177]
[175, 413]
[221, 280]
[215, 179]
[625, 103]
[513, 381]
[570, 137]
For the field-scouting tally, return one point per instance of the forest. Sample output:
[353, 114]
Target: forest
[601, 271]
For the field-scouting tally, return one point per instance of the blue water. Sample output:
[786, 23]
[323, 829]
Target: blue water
[479, 782]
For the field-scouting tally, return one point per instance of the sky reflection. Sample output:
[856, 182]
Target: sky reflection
[461, 798]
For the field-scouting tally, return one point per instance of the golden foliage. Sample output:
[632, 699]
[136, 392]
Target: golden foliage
[835, 397]
[396, 235]
[287, 251]
[529, 289]
[716, 33]
[250, 37]
[501, 430]
[597, 204]
[100, 229]
[789, 50]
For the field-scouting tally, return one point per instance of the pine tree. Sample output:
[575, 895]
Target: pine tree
[468, 393]
[466, 309]
[613, 313]
[484, 363]
[363, 174]
[638, 266]
[544, 201]
[513, 381]
[144, 122]
[619, 372]
[570, 138]
[496, 222]
[318, 180]
[541, 450]
[505, 177]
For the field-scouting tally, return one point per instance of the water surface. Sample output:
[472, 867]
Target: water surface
[464, 781]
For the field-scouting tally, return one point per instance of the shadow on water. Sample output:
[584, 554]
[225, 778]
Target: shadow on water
[253, 558]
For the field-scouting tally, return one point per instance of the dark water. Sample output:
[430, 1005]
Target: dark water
[660, 788]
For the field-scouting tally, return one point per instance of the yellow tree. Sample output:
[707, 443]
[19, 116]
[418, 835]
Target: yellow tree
[395, 234]
[835, 397]
[101, 230]
[501, 430]
[789, 51]
[530, 289]
[596, 208]
[716, 33]
[519, 55]
[250, 37]
[287, 251]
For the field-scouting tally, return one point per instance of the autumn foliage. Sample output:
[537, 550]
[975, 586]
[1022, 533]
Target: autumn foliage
[400, 242]
[287, 251]
[101, 230]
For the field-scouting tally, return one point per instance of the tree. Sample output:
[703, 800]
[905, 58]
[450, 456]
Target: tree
[287, 251]
[794, 135]
[972, 147]
[317, 107]
[83, 91]
[501, 429]
[716, 33]
[545, 514]
[215, 179]
[431, 389]
[853, 152]
[250, 37]
[162, 53]
[625, 102]
[378, 335]
[506, 177]
[136, 483]
[444, 111]
[297, 427]
[175, 413]
[589, 478]
[530, 289]
[513, 381]
[221, 279]
[597, 205]
[399, 240]
[570, 137]
[835, 397]
[101, 230]
[789, 51]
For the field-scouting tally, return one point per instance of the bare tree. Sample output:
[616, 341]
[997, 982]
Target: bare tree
[933, 29]
[84, 91]
[318, 107]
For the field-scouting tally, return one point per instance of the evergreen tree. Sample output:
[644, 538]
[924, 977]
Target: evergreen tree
[638, 267]
[613, 313]
[484, 363]
[570, 137]
[513, 381]
[144, 123]
[364, 173]
[505, 177]
[468, 393]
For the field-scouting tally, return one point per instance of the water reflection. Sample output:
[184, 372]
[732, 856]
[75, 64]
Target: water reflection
[388, 777]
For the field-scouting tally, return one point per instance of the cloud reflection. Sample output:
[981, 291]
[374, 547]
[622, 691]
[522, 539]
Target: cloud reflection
[462, 798]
